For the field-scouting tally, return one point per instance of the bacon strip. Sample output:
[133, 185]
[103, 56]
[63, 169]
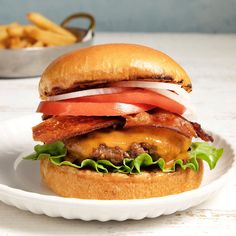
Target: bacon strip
[64, 127]
[164, 119]
[201, 133]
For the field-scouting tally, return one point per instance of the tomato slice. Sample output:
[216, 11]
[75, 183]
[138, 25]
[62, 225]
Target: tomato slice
[90, 108]
[117, 104]
[135, 96]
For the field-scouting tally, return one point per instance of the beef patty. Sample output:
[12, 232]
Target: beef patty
[117, 154]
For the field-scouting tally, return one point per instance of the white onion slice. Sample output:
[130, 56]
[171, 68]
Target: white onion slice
[173, 96]
[190, 109]
[87, 92]
[153, 85]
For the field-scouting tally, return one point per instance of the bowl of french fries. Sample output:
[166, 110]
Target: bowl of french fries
[26, 50]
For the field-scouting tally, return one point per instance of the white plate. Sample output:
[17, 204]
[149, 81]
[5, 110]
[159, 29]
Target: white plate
[20, 183]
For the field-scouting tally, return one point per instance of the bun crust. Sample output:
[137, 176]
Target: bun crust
[85, 184]
[103, 64]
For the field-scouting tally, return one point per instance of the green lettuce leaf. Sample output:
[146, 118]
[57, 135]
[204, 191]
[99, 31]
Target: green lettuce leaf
[56, 153]
[85, 163]
[205, 152]
[53, 150]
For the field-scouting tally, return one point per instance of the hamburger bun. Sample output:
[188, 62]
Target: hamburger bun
[85, 184]
[102, 64]
[99, 66]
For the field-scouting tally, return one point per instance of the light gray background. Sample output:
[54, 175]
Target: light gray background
[211, 16]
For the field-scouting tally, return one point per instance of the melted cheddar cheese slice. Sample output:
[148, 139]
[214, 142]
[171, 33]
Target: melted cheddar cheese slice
[170, 144]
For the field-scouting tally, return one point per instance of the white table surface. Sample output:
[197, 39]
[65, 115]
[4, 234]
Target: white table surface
[210, 61]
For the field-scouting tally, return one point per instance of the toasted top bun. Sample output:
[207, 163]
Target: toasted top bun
[102, 64]
[87, 184]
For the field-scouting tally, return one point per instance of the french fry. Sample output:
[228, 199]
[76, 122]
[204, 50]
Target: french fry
[14, 42]
[26, 36]
[37, 44]
[28, 45]
[3, 27]
[47, 37]
[26, 42]
[49, 45]
[2, 45]
[46, 24]
[15, 31]
[3, 34]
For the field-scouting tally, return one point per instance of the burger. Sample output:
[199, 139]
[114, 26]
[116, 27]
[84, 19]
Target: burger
[116, 124]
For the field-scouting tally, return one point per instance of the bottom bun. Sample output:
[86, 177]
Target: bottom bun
[86, 184]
